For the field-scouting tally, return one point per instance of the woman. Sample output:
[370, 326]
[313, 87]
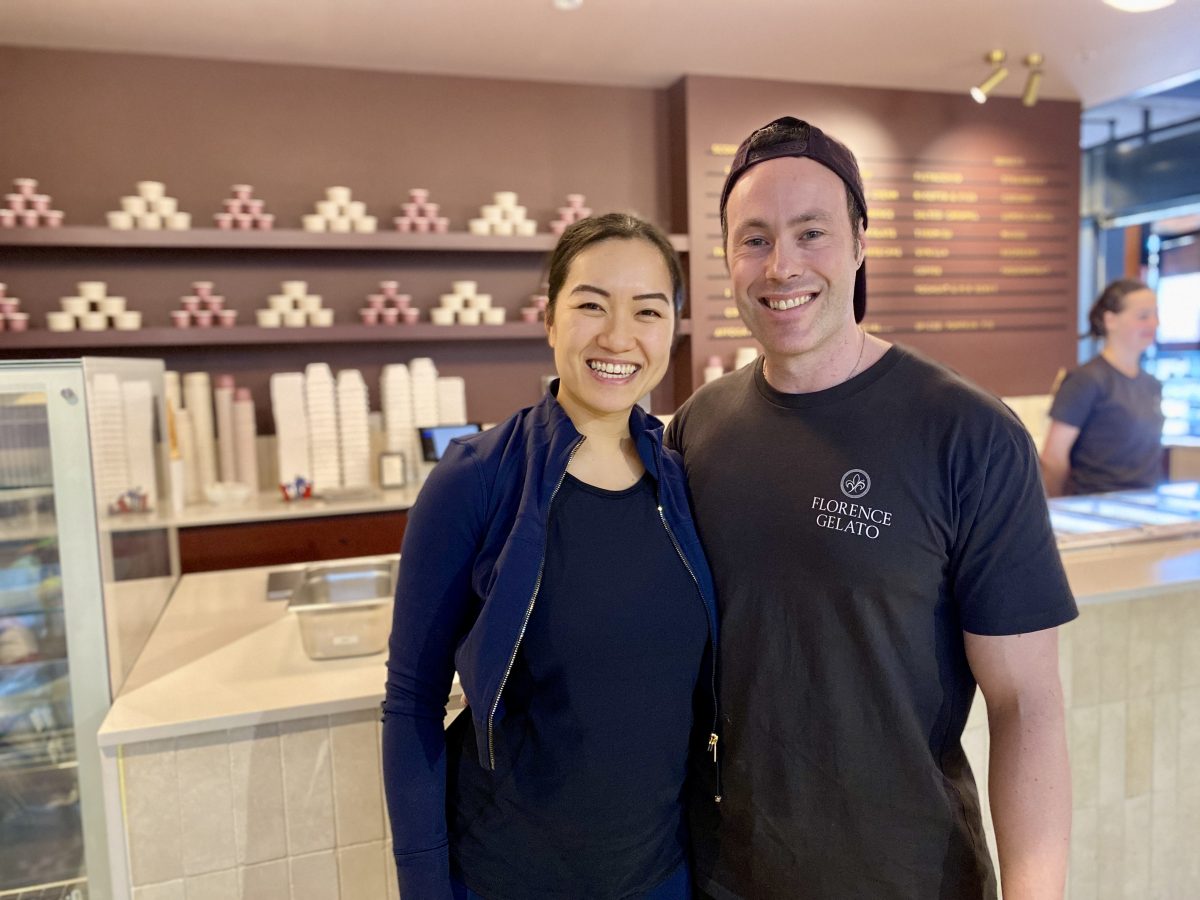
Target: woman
[1106, 420]
[553, 562]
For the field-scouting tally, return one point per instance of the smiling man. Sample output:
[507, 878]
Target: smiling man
[879, 538]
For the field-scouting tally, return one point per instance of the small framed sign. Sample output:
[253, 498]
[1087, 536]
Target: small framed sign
[392, 470]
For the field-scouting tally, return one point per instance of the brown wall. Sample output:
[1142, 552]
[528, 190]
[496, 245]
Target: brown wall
[976, 309]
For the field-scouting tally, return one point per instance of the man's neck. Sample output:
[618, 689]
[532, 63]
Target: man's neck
[820, 369]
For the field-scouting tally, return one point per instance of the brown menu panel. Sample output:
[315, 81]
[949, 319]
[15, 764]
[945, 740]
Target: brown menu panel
[972, 249]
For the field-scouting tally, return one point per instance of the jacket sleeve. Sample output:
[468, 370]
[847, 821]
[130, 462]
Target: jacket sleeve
[434, 603]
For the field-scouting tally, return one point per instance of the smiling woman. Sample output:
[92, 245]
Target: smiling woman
[553, 562]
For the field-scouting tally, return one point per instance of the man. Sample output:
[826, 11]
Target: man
[880, 542]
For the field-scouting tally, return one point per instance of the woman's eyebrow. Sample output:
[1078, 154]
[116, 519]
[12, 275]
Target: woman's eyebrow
[590, 288]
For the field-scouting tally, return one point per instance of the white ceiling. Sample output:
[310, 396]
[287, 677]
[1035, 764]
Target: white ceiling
[1093, 53]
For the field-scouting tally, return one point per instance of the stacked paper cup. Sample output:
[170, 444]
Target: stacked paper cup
[291, 434]
[244, 211]
[203, 309]
[452, 400]
[24, 207]
[11, 317]
[338, 212]
[137, 401]
[536, 308]
[420, 214]
[572, 212]
[503, 216]
[388, 307]
[399, 425]
[150, 208]
[198, 400]
[320, 403]
[92, 309]
[466, 306]
[423, 376]
[354, 436]
[106, 427]
[294, 308]
[245, 439]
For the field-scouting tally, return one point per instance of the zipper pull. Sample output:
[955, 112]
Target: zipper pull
[712, 745]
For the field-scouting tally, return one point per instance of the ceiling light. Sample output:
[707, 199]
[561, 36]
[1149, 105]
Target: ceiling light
[575, 4]
[1030, 95]
[980, 92]
[1138, 6]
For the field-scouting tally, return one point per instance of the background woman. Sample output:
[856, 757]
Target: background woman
[553, 562]
[1106, 420]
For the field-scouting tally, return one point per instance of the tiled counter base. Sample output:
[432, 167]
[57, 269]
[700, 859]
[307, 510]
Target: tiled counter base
[293, 811]
[1131, 680]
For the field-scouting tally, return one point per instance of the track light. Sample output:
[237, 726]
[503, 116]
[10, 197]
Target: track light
[980, 92]
[1030, 95]
[1138, 6]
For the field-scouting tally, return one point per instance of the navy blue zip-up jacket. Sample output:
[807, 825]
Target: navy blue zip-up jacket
[470, 565]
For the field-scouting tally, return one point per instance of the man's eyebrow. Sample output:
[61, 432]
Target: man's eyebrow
[803, 219]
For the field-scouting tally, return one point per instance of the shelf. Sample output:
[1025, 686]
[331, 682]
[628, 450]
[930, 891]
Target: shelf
[79, 236]
[249, 335]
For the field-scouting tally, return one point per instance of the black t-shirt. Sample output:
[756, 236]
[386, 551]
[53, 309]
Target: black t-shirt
[1120, 423]
[854, 534]
[599, 712]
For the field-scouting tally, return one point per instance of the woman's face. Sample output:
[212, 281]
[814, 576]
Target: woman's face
[1133, 328]
[612, 327]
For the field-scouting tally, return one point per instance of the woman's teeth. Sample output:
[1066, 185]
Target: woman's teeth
[616, 370]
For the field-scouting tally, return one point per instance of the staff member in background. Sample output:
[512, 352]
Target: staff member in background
[553, 561]
[880, 544]
[1106, 420]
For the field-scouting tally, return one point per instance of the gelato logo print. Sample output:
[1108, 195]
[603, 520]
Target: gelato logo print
[856, 483]
[849, 517]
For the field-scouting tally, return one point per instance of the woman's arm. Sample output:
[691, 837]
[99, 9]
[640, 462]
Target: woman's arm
[1056, 457]
[434, 603]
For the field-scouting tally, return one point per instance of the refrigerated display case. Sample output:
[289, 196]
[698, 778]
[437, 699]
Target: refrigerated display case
[1168, 511]
[64, 556]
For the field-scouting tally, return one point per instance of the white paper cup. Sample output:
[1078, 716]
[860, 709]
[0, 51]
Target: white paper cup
[130, 320]
[515, 214]
[464, 288]
[366, 224]
[135, 206]
[329, 209]
[321, 318]
[491, 213]
[468, 317]
[93, 321]
[76, 306]
[57, 320]
[314, 222]
[504, 229]
[453, 302]
[526, 228]
[179, 221]
[505, 199]
[494, 315]
[309, 302]
[479, 226]
[119, 220]
[294, 288]
[165, 206]
[441, 316]
[267, 318]
[151, 190]
[150, 222]
[295, 318]
[480, 301]
[341, 225]
[338, 195]
[281, 303]
[92, 290]
[112, 306]
[355, 209]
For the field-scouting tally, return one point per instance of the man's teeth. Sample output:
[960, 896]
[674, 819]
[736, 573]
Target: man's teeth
[616, 370]
[790, 302]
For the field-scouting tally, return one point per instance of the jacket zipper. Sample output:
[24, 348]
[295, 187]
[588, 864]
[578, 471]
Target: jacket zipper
[537, 586]
[712, 737]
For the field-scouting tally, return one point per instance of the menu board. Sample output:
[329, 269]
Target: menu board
[972, 244]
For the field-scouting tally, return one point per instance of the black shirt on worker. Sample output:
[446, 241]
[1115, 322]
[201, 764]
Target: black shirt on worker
[594, 743]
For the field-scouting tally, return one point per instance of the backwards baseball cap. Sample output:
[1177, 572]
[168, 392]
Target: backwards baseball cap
[789, 136]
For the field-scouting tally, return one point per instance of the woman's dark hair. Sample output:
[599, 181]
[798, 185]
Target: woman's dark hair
[1111, 300]
[610, 226]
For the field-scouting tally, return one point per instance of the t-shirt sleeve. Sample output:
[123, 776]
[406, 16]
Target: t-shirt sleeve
[1076, 397]
[1007, 575]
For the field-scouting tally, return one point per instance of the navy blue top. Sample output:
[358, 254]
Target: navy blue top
[599, 700]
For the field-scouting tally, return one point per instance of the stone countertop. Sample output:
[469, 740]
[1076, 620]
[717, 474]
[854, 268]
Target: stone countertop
[223, 656]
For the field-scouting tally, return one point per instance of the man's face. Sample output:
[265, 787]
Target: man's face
[792, 256]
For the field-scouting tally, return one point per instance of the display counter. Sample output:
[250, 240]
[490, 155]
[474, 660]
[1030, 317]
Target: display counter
[236, 760]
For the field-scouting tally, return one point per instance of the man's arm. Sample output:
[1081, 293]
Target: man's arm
[1030, 777]
[1056, 457]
